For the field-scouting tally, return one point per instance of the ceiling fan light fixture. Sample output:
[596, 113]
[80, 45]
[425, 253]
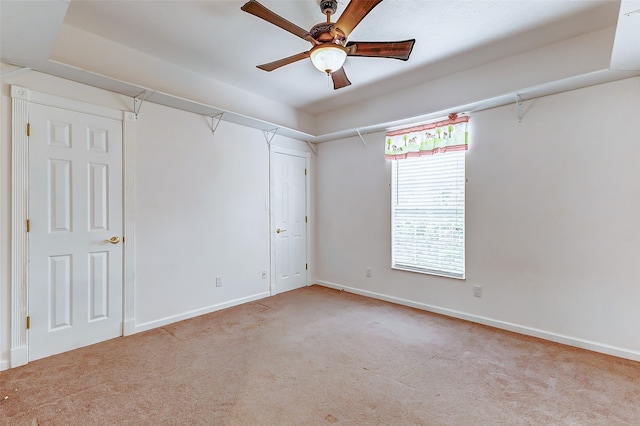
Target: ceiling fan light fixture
[328, 57]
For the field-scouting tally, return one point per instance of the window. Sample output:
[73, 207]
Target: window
[428, 214]
[428, 204]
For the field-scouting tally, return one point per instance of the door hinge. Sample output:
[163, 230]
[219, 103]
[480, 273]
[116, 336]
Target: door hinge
[306, 266]
[28, 225]
[28, 129]
[305, 172]
[306, 219]
[28, 323]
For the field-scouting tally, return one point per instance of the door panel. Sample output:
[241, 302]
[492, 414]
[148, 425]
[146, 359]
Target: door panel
[290, 218]
[98, 197]
[60, 193]
[98, 285]
[75, 207]
[60, 291]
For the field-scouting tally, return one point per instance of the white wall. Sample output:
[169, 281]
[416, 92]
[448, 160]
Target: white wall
[552, 208]
[201, 212]
[199, 207]
[521, 72]
[552, 223]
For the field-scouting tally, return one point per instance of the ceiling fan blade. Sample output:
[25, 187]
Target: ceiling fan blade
[255, 8]
[284, 61]
[354, 13]
[381, 49]
[340, 79]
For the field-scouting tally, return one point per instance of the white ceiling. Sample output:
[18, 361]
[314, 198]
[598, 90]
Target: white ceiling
[218, 41]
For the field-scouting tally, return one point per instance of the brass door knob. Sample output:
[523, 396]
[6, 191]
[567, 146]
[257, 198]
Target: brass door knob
[280, 230]
[113, 240]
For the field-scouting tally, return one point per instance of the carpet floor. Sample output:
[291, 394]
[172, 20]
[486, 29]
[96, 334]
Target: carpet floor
[317, 356]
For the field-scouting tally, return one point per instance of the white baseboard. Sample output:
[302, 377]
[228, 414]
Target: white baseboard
[528, 331]
[191, 314]
[128, 327]
[20, 356]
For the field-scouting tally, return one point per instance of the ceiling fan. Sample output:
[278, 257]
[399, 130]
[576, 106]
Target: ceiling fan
[329, 40]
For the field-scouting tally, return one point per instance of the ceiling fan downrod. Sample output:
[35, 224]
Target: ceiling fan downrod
[328, 8]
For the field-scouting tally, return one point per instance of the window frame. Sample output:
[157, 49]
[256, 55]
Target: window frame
[458, 180]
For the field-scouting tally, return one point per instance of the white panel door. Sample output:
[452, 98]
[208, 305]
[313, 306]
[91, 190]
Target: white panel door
[75, 208]
[290, 220]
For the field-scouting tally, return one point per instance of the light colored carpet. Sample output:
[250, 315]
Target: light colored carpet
[320, 356]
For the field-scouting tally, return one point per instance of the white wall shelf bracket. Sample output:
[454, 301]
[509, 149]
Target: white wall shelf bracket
[214, 123]
[312, 148]
[270, 134]
[139, 100]
[362, 139]
[520, 107]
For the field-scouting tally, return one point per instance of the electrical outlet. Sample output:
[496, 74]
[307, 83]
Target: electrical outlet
[477, 291]
[264, 275]
[218, 281]
[369, 272]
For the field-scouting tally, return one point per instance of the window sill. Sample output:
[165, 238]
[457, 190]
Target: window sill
[428, 272]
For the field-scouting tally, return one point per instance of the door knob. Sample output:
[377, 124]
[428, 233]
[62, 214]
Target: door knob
[113, 240]
[280, 230]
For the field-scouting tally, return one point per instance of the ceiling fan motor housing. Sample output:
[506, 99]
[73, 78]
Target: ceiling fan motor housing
[322, 31]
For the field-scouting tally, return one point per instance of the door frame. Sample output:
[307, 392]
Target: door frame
[21, 98]
[273, 151]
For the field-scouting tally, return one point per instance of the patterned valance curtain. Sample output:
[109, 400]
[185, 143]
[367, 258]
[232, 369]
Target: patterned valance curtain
[427, 139]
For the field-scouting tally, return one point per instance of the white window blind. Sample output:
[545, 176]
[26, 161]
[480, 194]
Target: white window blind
[428, 209]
